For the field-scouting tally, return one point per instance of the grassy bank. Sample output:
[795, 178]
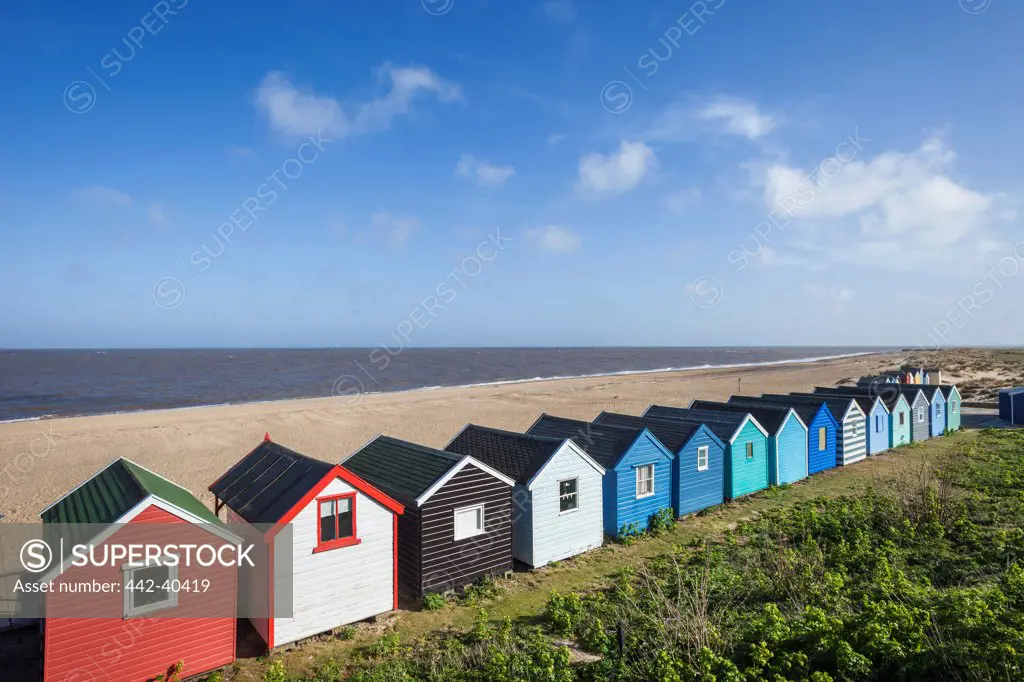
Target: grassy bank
[733, 543]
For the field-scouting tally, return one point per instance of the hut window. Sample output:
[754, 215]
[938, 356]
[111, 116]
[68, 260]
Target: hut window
[822, 439]
[568, 495]
[469, 521]
[750, 451]
[645, 480]
[903, 416]
[954, 406]
[702, 458]
[337, 522]
[147, 589]
[920, 414]
[878, 422]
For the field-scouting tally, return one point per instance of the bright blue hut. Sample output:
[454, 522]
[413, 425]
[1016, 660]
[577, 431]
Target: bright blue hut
[638, 468]
[787, 442]
[698, 473]
[746, 466]
[821, 430]
[937, 409]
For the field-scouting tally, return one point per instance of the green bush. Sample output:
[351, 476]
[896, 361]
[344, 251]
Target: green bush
[433, 602]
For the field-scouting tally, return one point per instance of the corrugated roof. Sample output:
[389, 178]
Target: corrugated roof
[837, 405]
[517, 455]
[770, 417]
[723, 424]
[399, 468]
[116, 490]
[265, 484]
[605, 444]
[673, 434]
[807, 411]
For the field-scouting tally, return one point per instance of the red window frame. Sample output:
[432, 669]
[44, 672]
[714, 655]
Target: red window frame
[321, 545]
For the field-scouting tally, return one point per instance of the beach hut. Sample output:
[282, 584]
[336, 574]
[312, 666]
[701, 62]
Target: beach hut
[821, 430]
[920, 425]
[746, 467]
[787, 442]
[557, 507]
[638, 468]
[457, 525]
[878, 418]
[698, 470]
[1011, 405]
[341, 566]
[136, 633]
[851, 435]
[953, 400]
[934, 375]
[896, 405]
[937, 409]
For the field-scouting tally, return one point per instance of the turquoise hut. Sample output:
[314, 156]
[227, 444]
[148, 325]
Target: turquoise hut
[746, 468]
[787, 444]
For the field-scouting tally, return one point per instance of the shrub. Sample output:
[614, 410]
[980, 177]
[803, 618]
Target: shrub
[276, 672]
[661, 521]
[433, 602]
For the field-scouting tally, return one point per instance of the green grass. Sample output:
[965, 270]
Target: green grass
[523, 597]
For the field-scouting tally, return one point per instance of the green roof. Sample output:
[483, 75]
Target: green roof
[116, 490]
[400, 469]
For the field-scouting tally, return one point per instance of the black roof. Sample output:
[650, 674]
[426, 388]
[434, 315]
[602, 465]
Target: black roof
[947, 389]
[399, 468]
[673, 434]
[605, 444]
[806, 411]
[864, 395]
[837, 405]
[724, 424]
[771, 417]
[517, 455]
[265, 484]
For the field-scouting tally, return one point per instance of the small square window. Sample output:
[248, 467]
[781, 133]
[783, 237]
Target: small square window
[645, 480]
[469, 522]
[568, 495]
[702, 458]
[750, 451]
[148, 589]
[337, 522]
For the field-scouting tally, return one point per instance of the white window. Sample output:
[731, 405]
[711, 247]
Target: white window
[702, 458]
[920, 414]
[469, 521]
[149, 588]
[954, 406]
[645, 480]
[568, 495]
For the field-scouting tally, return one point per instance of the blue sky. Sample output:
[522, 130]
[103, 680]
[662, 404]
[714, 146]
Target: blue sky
[498, 173]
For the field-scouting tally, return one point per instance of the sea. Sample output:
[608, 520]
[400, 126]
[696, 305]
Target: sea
[40, 384]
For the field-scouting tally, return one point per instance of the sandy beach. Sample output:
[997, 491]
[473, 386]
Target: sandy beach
[42, 460]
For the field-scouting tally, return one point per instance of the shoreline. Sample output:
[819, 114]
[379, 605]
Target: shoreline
[41, 460]
[500, 382]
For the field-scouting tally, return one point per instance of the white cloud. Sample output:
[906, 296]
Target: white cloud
[157, 215]
[397, 229]
[682, 201]
[554, 238]
[687, 121]
[898, 210]
[560, 11]
[483, 173]
[618, 172]
[737, 116]
[300, 111]
[98, 196]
